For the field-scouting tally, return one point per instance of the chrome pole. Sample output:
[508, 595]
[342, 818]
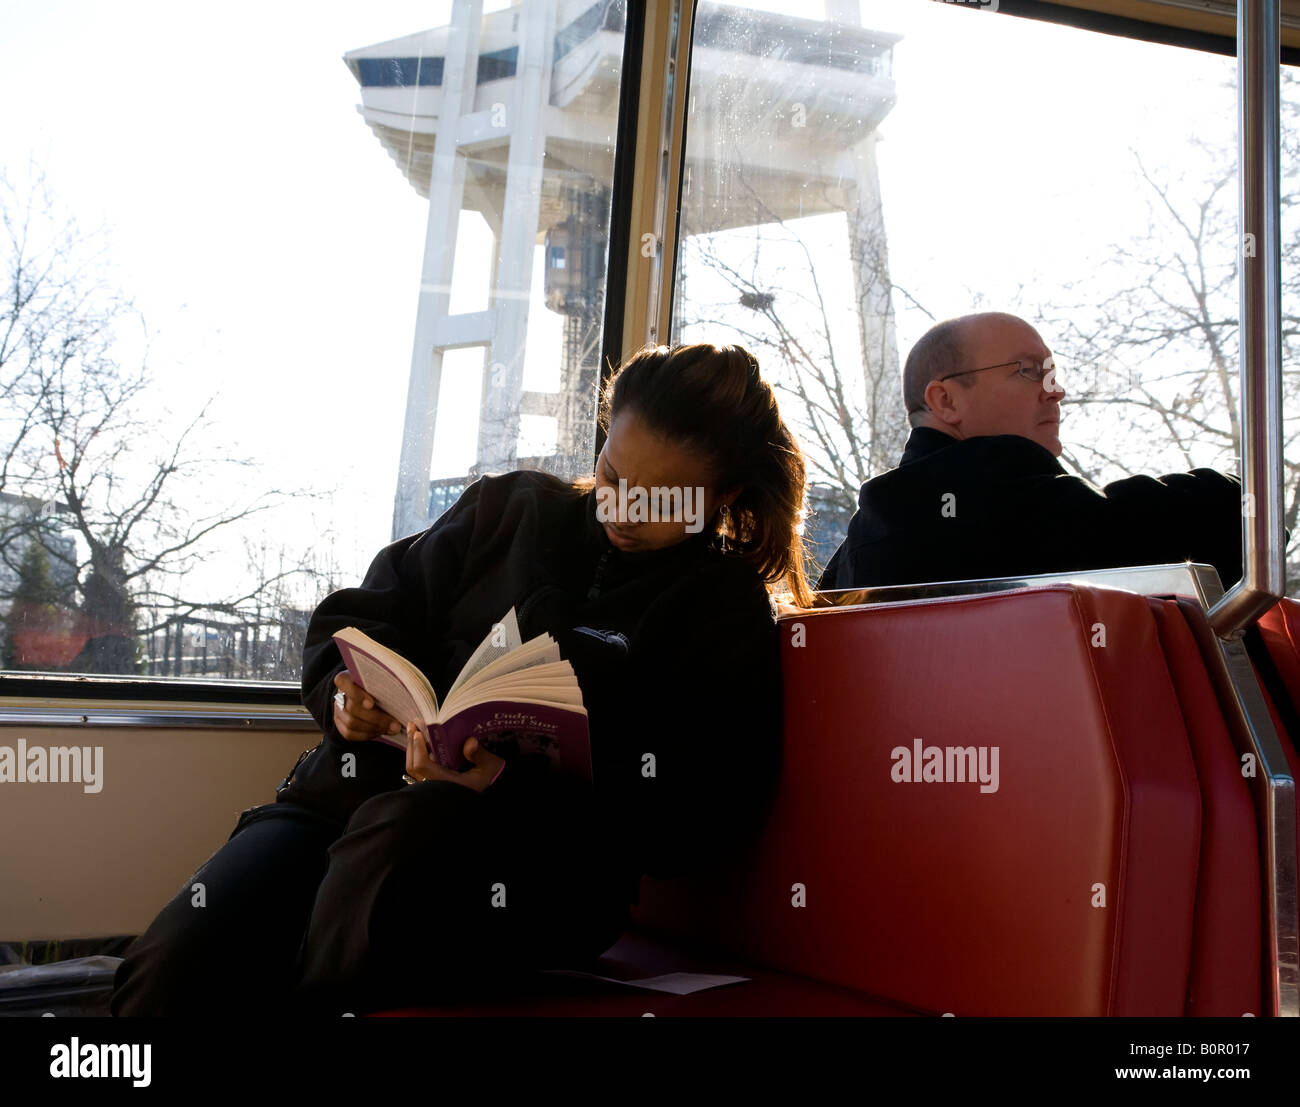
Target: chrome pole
[1259, 257]
[1263, 579]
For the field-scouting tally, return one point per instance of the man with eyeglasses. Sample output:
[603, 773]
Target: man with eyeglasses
[979, 491]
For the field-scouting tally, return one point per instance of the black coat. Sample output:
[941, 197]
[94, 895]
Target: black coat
[1002, 505]
[697, 682]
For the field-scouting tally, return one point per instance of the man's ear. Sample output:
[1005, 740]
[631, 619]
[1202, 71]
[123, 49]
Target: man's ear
[942, 400]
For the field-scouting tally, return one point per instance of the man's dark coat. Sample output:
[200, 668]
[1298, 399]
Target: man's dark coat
[1002, 505]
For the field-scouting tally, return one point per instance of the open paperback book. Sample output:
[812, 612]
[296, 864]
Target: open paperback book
[519, 699]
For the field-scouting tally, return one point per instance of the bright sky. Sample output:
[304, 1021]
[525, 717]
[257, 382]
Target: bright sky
[275, 249]
[1008, 163]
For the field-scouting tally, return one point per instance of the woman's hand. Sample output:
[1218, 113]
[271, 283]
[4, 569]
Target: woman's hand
[359, 719]
[422, 767]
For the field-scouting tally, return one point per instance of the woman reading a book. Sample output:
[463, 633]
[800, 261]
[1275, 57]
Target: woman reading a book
[380, 878]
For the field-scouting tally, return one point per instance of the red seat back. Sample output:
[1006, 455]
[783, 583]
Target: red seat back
[1279, 628]
[1225, 978]
[1069, 890]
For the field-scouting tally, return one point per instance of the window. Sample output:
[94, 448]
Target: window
[295, 278]
[909, 162]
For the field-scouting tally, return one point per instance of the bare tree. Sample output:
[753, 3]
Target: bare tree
[845, 404]
[77, 436]
[1151, 335]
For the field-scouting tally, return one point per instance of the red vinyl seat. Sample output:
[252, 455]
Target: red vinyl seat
[1088, 883]
[1279, 633]
[1279, 629]
[1068, 891]
[1225, 978]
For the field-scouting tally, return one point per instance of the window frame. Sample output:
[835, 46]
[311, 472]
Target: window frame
[649, 142]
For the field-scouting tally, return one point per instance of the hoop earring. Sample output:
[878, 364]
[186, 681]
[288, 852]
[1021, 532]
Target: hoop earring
[726, 522]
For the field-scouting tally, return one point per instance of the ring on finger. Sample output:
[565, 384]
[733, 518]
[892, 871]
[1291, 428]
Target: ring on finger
[409, 779]
[340, 700]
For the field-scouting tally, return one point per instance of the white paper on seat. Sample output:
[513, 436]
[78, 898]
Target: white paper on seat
[675, 983]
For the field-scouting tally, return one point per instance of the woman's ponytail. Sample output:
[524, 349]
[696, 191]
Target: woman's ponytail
[714, 400]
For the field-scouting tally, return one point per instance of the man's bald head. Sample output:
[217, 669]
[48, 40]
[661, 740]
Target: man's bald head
[943, 349]
[990, 389]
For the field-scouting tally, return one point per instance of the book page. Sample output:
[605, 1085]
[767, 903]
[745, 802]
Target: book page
[388, 664]
[387, 691]
[552, 692]
[560, 672]
[497, 644]
[536, 651]
[499, 678]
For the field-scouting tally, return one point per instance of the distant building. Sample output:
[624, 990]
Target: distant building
[293, 637]
[444, 492]
[24, 520]
[827, 524]
[36, 637]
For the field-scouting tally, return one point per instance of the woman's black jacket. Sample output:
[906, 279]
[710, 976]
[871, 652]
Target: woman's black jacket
[688, 670]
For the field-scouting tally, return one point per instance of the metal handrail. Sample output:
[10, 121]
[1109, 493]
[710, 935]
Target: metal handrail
[1263, 579]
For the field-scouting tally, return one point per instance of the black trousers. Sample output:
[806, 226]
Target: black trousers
[430, 893]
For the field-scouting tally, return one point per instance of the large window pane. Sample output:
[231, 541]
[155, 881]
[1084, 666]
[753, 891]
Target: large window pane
[873, 168]
[279, 285]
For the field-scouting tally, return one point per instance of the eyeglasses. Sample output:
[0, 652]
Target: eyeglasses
[1031, 370]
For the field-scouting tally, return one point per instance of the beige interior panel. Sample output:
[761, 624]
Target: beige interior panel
[83, 865]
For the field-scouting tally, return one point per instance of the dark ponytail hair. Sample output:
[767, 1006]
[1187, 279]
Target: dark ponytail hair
[714, 401]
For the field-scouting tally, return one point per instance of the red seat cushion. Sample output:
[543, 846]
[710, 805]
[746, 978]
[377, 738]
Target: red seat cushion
[1279, 627]
[1225, 977]
[943, 897]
